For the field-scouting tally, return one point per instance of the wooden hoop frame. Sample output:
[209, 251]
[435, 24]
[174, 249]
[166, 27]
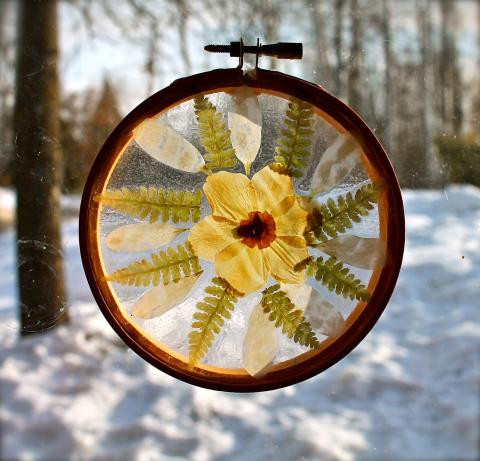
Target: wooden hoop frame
[363, 317]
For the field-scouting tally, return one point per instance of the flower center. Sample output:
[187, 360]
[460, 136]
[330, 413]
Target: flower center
[257, 230]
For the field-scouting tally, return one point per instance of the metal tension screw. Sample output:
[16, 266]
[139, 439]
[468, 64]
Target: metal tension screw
[280, 50]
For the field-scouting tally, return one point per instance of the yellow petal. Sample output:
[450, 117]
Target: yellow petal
[260, 344]
[162, 298]
[323, 316]
[230, 195]
[210, 236]
[283, 255]
[298, 294]
[290, 218]
[167, 146]
[366, 253]
[141, 237]
[271, 188]
[245, 268]
[337, 161]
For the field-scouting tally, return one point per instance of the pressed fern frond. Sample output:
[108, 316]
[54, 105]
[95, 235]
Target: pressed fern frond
[210, 317]
[333, 275]
[214, 135]
[338, 216]
[166, 266]
[154, 203]
[282, 312]
[294, 146]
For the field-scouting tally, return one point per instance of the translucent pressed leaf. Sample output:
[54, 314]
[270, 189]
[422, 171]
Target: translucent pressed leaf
[365, 253]
[337, 162]
[336, 216]
[323, 316]
[154, 203]
[164, 144]
[260, 345]
[299, 294]
[295, 143]
[141, 237]
[245, 124]
[337, 278]
[210, 317]
[246, 138]
[285, 316]
[214, 135]
[160, 299]
[165, 266]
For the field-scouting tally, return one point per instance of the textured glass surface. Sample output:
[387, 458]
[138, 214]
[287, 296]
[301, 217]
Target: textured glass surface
[344, 174]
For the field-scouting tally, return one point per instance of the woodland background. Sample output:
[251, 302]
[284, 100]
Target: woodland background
[410, 68]
[71, 69]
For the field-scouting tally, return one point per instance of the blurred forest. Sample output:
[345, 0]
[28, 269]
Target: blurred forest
[402, 64]
[408, 67]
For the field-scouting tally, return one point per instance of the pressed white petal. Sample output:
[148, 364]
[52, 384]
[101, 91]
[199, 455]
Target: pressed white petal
[260, 344]
[365, 253]
[337, 161]
[141, 237]
[160, 299]
[245, 102]
[298, 294]
[246, 137]
[245, 124]
[167, 146]
[323, 316]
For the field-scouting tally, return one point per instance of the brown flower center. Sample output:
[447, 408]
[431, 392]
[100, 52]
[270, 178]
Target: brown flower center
[257, 230]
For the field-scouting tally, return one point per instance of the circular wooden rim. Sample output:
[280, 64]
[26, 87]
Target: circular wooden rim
[360, 321]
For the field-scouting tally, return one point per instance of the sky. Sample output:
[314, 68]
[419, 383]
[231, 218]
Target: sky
[88, 57]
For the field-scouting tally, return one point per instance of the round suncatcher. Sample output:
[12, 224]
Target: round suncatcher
[242, 231]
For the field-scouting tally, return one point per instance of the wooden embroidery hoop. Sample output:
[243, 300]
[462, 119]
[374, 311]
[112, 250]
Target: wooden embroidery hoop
[363, 317]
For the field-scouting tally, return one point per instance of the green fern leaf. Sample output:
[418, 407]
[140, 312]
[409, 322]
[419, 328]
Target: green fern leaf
[294, 146]
[214, 135]
[154, 203]
[166, 266]
[336, 216]
[210, 317]
[282, 312]
[333, 275]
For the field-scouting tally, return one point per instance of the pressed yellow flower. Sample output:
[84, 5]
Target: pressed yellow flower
[255, 229]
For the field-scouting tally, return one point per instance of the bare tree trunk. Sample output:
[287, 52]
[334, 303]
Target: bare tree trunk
[38, 169]
[183, 15]
[444, 64]
[424, 30]
[389, 109]
[451, 108]
[322, 68]
[152, 55]
[354, 71]
[338, 45]
[5, 112]
[270, 18]
[457, 96]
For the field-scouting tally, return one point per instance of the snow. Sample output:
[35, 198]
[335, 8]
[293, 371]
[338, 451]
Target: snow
[409, 391]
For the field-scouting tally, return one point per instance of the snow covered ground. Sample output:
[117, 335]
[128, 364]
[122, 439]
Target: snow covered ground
[410, 391]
